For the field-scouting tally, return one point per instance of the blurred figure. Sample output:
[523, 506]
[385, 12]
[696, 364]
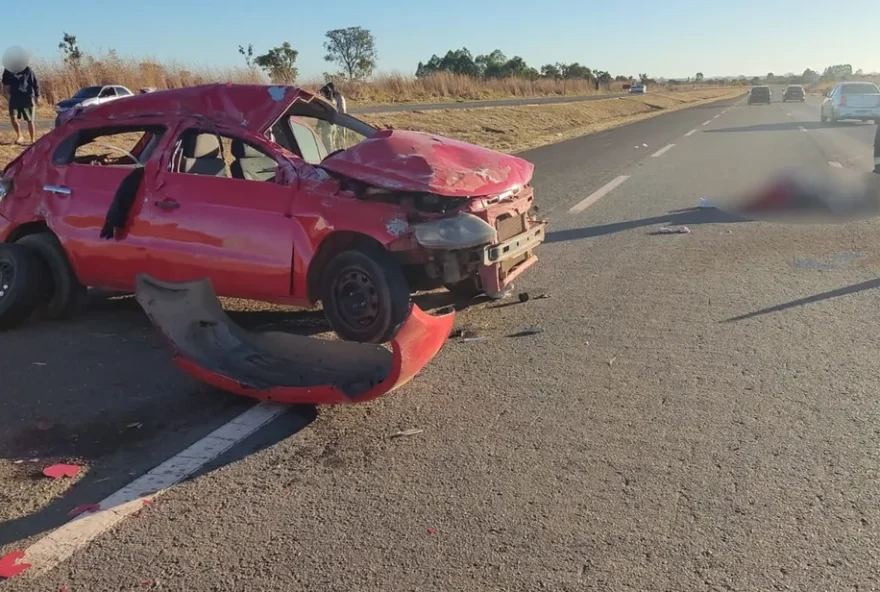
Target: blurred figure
[22, 91]
[877, 150]
[335, 97]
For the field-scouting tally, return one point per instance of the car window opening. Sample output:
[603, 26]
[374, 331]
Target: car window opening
[207, 153]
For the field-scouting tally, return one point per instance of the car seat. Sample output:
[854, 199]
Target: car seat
[201, 155]
[251, 164]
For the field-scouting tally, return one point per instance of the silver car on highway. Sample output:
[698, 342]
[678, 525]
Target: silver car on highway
[852, 100]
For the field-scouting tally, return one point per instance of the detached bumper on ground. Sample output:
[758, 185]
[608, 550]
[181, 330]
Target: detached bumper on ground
[282, 367]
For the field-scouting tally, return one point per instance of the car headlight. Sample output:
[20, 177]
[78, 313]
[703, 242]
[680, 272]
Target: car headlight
[458, 232]
[5, 187]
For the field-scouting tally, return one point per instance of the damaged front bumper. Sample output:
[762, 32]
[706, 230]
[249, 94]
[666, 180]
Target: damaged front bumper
[283, 367]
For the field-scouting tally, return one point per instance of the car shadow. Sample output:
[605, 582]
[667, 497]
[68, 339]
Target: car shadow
[845, 291]
[684, 217]
[101, 391]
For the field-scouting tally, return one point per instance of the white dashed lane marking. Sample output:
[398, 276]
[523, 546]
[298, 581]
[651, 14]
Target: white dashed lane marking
[835, 165]
[598, 194]
[63, 542]
[690, 133]
[662, 151]
[707, 122]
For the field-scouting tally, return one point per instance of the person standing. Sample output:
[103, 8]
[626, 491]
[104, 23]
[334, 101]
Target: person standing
[23, 94]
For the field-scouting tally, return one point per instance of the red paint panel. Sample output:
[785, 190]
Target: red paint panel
[413, 161]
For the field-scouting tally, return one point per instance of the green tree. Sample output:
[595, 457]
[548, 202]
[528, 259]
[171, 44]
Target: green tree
[279, 63]
[492, 65]
[354, 50]
[699, 77]
[72, 54]
[248, 54]
[553, 71]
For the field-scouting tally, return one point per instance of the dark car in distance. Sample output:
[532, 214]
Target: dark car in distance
[795, 92]
[760, 94]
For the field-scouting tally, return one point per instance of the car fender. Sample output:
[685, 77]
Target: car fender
[283, 367]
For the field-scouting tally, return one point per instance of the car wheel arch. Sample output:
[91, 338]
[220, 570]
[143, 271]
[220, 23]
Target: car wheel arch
[22, 230]
[333, 244]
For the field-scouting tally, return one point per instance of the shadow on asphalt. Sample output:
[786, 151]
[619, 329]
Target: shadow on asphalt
[101, 391]
[685, 217]
[854, 288]
[788, 126]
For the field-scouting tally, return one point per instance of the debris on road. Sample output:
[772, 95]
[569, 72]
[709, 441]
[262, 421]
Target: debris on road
[611, 361]
[38, 363]
[136, 425]
[543, 296]
[9, 566]
[473, 340]
[84, 509]
[524, 296]
[705, 203]
[45, 426]
[432, 531]
[533, 330]
[409, 432]
[674, 230]
[59, 471]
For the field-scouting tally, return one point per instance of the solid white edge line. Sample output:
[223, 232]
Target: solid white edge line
[597, 195]
[802, 128]
[835, 165]
[717, 116]
[690, 133]
[707, 122]
[60, 544]
[662, 151]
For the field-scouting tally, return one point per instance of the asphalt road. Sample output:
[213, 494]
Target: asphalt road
[5, 125]
[697, 414]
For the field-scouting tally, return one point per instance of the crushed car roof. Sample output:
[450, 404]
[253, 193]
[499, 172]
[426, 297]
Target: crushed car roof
[253, 106]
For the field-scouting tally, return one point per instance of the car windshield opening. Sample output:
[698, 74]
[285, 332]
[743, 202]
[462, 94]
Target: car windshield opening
[318, 131]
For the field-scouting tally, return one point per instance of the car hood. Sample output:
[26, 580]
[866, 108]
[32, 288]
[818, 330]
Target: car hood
[67, 103]
[401, 160]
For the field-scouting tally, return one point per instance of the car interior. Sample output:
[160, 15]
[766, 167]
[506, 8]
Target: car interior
[207, 153]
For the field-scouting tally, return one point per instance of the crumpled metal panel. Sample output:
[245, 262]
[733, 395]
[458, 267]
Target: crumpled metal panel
[282, 367]
[401, 160]
[255, 107]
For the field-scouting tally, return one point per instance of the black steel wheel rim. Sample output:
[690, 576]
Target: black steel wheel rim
[357, 300]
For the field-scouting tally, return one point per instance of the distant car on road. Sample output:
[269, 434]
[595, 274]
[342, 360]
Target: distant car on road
[794, 92]
[638, 89]
[92, 95]
[852, 100]
[760, 94]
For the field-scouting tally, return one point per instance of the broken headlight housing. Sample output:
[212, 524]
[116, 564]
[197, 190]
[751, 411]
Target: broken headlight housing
[458, 232]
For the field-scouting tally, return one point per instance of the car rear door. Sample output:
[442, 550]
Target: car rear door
[202, 222]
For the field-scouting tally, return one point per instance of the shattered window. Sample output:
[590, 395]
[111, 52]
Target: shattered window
[128, 148]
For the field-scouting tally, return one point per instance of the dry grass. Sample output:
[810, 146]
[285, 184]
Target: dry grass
[60, 81]
[824, 87]
[512, 129]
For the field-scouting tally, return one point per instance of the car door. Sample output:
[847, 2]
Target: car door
[201, 222]
[79, 186]
[108, 93]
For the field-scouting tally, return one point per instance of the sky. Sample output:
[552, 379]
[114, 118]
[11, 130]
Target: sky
[669, 38]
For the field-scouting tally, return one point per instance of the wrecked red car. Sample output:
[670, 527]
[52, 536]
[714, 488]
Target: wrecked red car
[269, 193]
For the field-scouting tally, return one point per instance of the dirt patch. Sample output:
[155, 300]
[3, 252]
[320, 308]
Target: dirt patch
[513, 129]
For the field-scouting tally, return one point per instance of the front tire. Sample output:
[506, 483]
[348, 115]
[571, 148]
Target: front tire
[22, 280]
[365, 295]
[64, 297]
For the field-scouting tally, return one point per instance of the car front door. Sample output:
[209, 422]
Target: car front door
[198, 221]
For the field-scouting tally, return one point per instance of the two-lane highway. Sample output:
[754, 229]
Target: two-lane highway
[698, 412]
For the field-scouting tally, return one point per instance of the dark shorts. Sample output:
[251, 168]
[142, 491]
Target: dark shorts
[24, 112]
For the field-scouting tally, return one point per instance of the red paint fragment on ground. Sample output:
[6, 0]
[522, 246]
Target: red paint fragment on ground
[45, 426]
[8, 566]
[58, 471]
[432, 531]
[84, 508]
[146, 582]
[148, 502]
[63, 589]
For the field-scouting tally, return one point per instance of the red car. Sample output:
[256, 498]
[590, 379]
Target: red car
[268, 192]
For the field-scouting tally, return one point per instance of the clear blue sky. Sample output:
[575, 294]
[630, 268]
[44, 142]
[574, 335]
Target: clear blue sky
[671, 38]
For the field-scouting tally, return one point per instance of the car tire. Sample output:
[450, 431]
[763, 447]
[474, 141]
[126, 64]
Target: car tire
[63, 296]
[365, 295]
[465, 289]
[23, 279]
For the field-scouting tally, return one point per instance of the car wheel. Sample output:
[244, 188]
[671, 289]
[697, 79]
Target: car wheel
[22, 280]
[365, 295]
[64, 296]
[465, 289]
